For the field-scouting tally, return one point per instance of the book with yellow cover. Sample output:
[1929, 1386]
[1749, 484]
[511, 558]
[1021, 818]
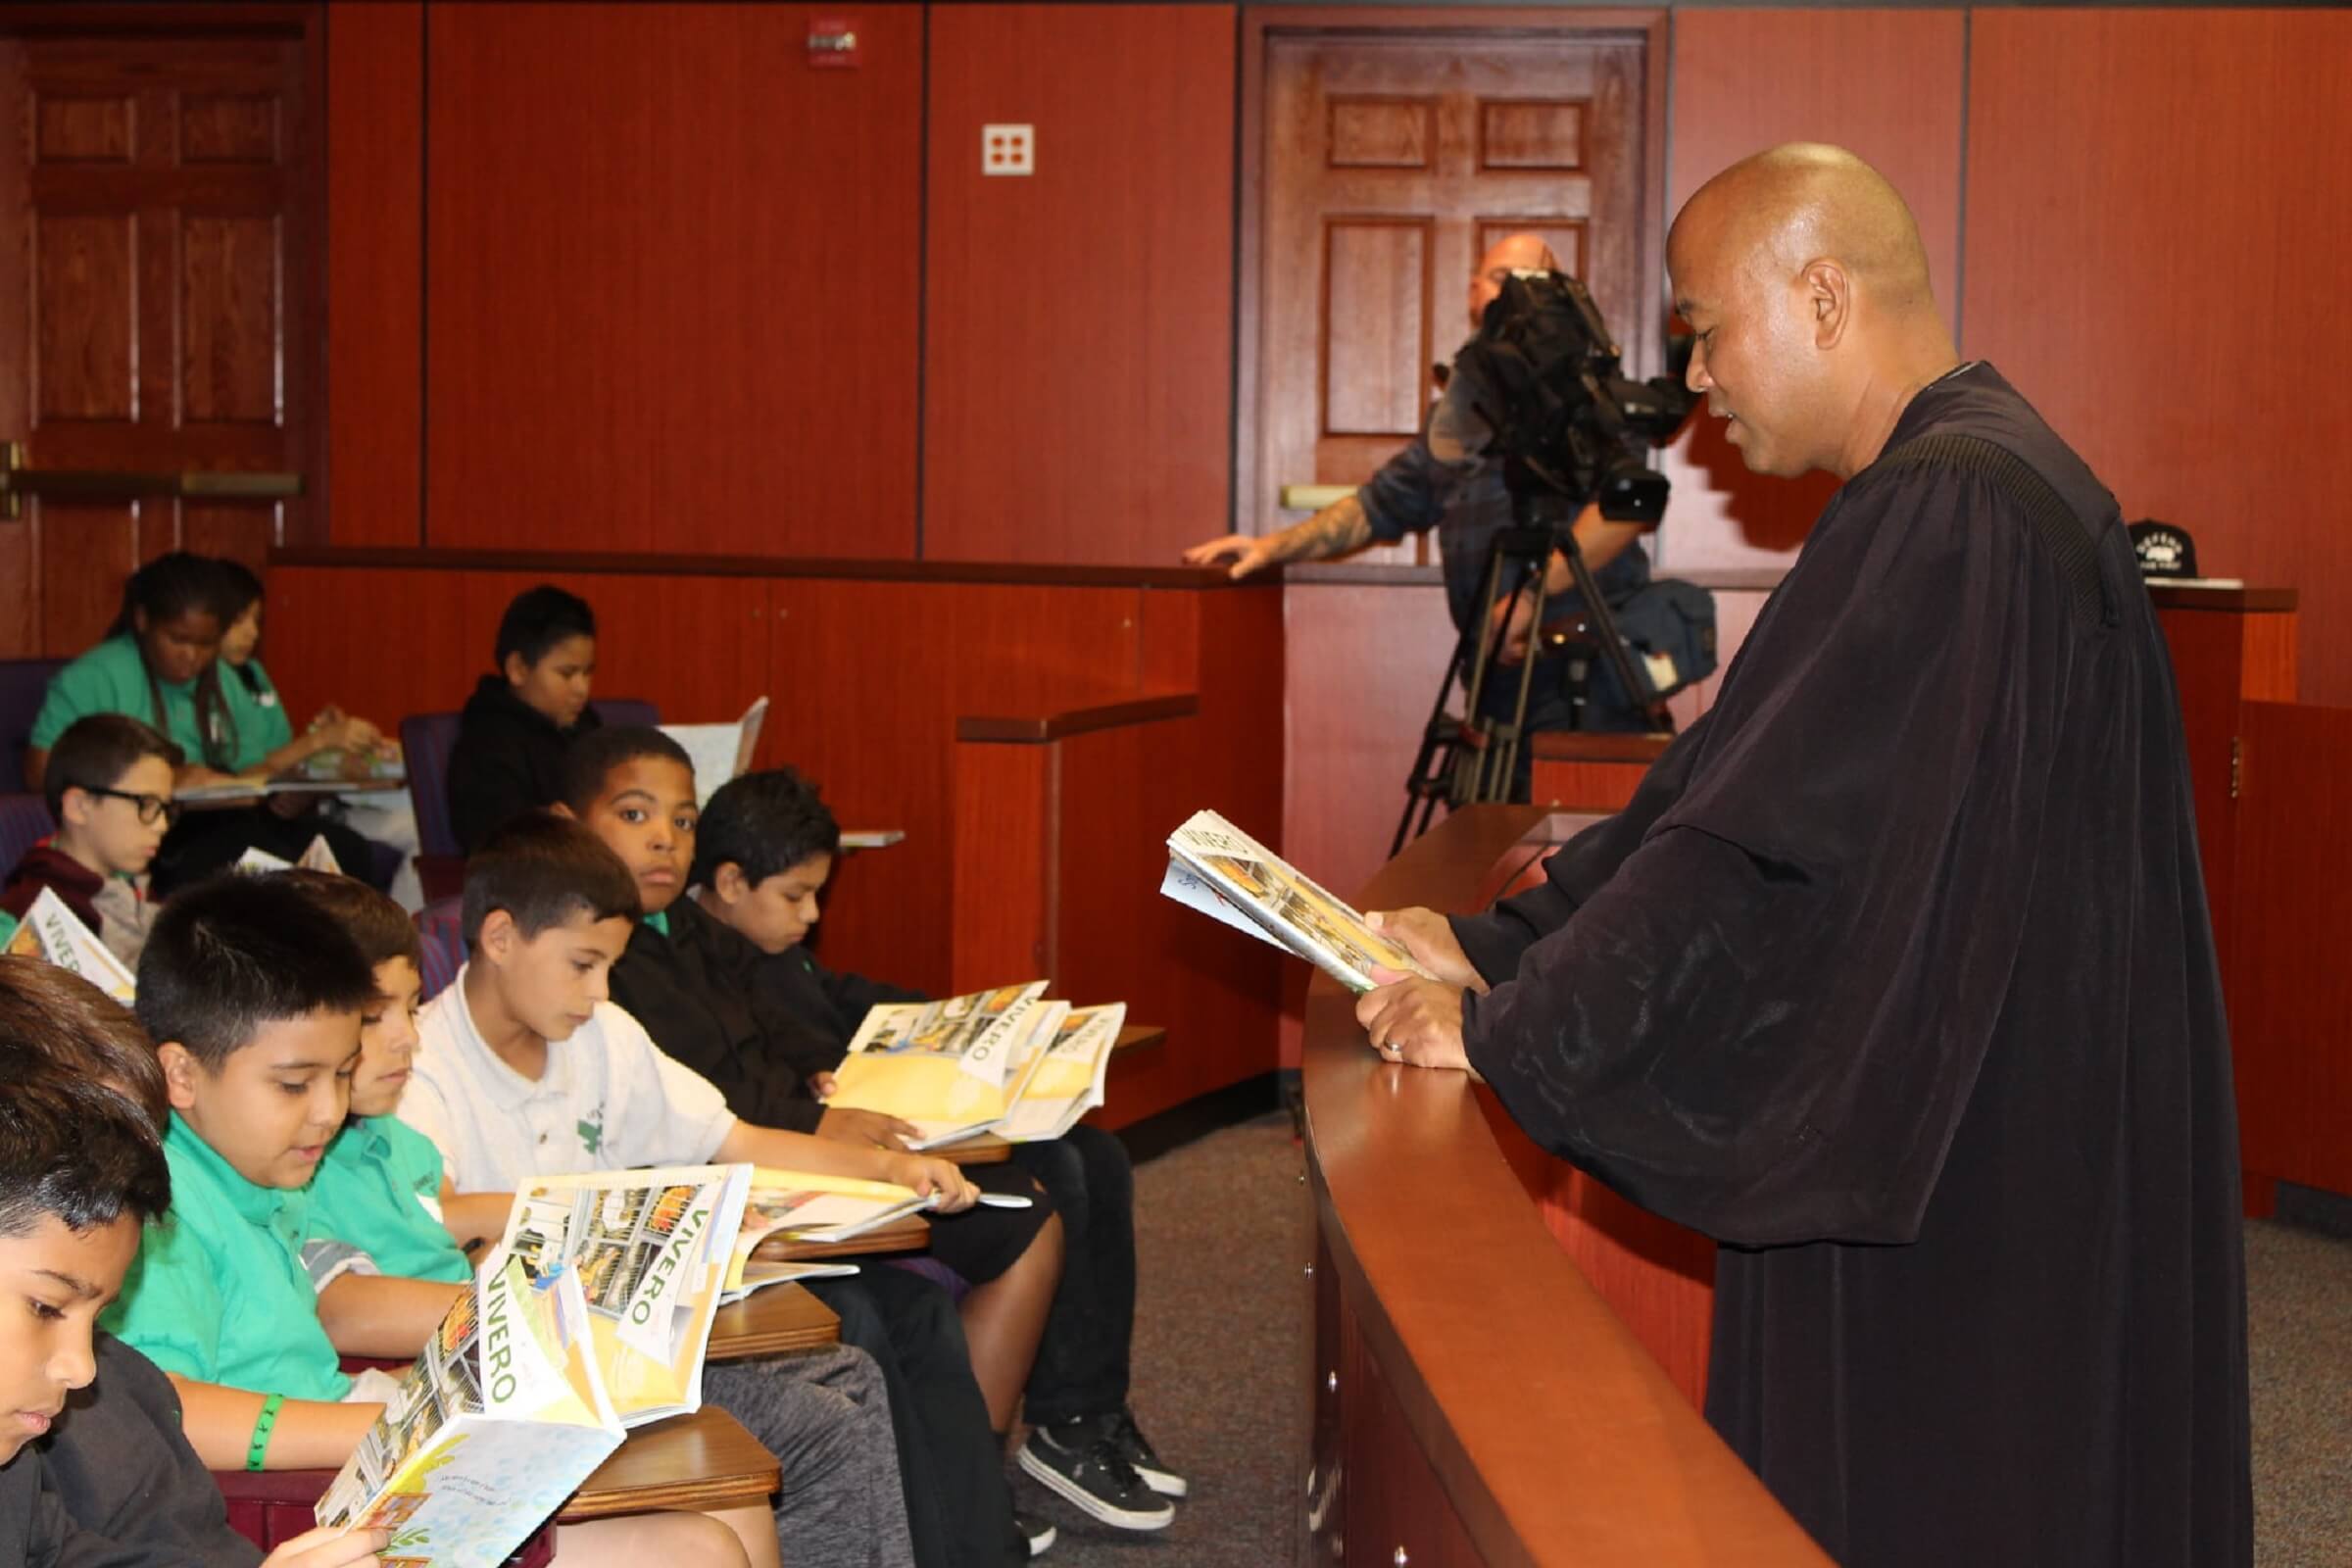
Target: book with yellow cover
[1067, 1079]
[55, 934]
[650, 1248]
[501, 1419]
[945, 1066]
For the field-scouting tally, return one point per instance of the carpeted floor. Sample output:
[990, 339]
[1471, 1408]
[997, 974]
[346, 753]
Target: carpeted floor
[1220, 1354]
[1221, 1368]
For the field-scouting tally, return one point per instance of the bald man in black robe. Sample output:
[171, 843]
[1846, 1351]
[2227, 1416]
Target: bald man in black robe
[1895, 977]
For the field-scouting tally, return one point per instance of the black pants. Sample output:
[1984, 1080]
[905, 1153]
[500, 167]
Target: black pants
[1081, 1366]
[958, 1504]
[203, 844]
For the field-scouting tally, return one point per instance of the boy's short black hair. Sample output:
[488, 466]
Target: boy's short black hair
[228, 956]
[381, 928]
[56, 1016]
[94, 753]
[539, 618]
[766, 823]
[590, 760]
[543, 869]
[72, 1149]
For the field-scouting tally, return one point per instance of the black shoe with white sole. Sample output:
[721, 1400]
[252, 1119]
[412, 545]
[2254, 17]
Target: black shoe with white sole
[1081, 1461]
[1136, 1450]
[1035, 1532]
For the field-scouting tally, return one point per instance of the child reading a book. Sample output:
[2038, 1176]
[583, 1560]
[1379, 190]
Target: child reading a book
[254, 1005]
[383, 1208]
[763, 852]
[524, 716]
[160, 663]
[695, 986]
[80, 1172]
[525, 1068]
[109, 789]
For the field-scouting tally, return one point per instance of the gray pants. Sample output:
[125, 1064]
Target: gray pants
[825, 1416]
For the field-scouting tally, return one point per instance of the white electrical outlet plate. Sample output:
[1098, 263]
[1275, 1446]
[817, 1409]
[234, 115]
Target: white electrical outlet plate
[1008, 149]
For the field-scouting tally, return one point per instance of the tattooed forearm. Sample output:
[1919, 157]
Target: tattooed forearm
[1336, 529]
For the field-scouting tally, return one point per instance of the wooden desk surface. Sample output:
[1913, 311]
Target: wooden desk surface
[769, 1322]
[703, 1460]
[909, 1234]
[987, 1149]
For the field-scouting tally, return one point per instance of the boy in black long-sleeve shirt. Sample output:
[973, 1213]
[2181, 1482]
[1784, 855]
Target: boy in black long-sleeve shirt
[763, 850]
[517, 726]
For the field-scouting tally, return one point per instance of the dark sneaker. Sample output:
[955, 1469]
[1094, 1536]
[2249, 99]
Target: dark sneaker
[1081, 1461]
[1136, 1450]
[1036, 1532]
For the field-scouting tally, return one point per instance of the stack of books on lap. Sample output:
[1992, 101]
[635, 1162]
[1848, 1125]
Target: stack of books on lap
[1227, 875]
[500, 1420]
[1009, 1061]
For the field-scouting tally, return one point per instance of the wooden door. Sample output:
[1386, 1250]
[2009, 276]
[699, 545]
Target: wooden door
[155, 284]
[1391, 163]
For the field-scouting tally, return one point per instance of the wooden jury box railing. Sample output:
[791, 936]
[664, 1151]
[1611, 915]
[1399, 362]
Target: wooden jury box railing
[1476, 1399]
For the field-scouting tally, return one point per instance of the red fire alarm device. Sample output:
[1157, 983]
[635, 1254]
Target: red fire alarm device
[832, 43]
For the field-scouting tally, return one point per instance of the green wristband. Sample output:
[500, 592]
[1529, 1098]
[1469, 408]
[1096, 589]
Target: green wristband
[262, 1426]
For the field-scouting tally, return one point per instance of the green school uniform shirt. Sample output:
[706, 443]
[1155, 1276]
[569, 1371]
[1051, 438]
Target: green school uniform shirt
[112, 678]
[219, 1292]
[380, 1190]
[260, 718]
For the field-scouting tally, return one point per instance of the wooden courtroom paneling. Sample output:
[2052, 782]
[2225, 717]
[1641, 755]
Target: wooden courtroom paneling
[1887, 84]
[375, 273]
[2156, 200]
[672, 274]
[2291, 1010]
[868, 679]
[1078, 335]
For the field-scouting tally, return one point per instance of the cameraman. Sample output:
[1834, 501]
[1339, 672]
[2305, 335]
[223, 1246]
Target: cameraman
[1414, 491]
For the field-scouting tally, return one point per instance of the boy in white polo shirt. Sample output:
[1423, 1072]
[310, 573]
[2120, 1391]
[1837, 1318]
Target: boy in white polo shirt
[523, 1068]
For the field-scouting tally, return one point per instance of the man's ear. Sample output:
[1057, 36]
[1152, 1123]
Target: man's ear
[1830, 297]
[75, 806]
[181, 1070]
[515, 667]
[562, 809]
[730, 884]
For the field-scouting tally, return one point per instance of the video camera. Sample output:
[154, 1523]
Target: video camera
[1541, 388]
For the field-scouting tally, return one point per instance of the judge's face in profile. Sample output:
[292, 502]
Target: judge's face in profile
[1753, 359]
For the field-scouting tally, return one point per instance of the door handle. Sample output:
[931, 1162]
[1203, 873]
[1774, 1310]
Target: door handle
[108, 484]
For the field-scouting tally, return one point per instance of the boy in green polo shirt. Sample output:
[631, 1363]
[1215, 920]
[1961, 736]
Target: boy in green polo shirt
[381, 1192]
[254, 1003]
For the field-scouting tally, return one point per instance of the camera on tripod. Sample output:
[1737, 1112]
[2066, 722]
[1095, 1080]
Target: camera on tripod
[1543, 391]
[1542, 388]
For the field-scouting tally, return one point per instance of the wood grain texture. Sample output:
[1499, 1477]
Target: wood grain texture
[771, 1322]
[705, 1460]
[1077, 361]
[674, 275]
[375, 273]
[1886, 83]
[2291, 1008]
[1005, 885]
[1435, 1244]
[2085, 128]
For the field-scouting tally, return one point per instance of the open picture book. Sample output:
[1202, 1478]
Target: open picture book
[1009, 1061]
[54, 934]
[652, 1251]
[1227, 875]
[500, 1418]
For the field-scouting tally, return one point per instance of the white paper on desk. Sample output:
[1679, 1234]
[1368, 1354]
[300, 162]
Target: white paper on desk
[720, 751]
[1196, 892]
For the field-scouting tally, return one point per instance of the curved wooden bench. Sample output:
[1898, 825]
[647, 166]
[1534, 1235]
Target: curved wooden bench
[1477, 1401]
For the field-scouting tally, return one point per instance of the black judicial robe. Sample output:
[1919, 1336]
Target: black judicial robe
[1896, 978]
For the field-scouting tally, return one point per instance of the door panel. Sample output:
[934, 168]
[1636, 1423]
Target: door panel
[1390, 165]
[153, 293]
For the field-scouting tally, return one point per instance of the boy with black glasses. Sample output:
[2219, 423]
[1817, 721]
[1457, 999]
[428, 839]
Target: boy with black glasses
[109, 789]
